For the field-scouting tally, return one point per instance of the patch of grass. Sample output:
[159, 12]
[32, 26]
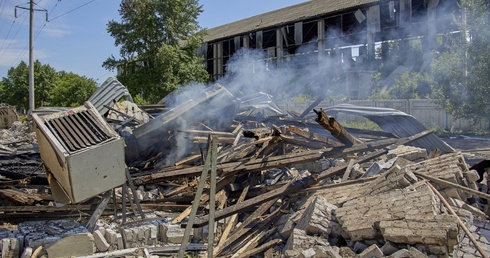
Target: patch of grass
[363, 125]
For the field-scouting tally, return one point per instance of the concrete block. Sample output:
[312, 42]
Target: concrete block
[299, 240]
[370, 252]
[389, 248]
[326, 252]
[175, 234]
[100, 241]
[316, 218]
[346, 252]
[308, 253]
[162, 233]
[10, 247]
[72, 245]
[360, 246]
[111, 236]
[27, 253]
[120, 241]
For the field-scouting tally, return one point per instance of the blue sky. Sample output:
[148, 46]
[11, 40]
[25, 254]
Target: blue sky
[75, 38]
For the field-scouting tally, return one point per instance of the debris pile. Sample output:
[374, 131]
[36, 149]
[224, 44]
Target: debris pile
[258, 182]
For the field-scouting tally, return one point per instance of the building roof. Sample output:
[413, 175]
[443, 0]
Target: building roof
[298, 12]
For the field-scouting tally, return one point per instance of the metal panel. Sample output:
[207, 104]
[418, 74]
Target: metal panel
[395, 122]
[110, 90]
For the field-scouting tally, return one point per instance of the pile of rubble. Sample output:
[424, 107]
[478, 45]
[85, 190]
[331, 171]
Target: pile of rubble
[260, 184]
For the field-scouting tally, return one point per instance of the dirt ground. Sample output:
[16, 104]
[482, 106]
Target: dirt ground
[474, 147]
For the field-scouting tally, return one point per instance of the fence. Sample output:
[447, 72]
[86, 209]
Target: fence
[429, 113]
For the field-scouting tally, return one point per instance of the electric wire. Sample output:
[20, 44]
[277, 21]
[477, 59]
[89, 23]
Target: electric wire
[7, 38]
[72, 10]
[24, 51]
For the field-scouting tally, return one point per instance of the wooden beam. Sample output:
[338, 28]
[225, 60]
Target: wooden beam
[295, 186]
[335, 128]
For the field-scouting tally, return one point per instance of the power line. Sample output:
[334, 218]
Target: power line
[24, 51]
[8, 34]
[72, 10]
[2, 5]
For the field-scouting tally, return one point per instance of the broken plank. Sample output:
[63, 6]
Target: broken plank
[231, 223]
[266, 246]
[208, 132]
[20, 197]
[277, 161]
[311, 136]
[335, 128]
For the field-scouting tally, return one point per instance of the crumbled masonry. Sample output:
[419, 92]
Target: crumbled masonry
[286, 186]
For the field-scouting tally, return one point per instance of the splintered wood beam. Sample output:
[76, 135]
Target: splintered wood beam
[262, 248]
[311, 135]
[231, 223]
[334, 128]
[276, 161]
[208, 132]
[204, 198]
[300, 184]
[20, 197]
[302, 142]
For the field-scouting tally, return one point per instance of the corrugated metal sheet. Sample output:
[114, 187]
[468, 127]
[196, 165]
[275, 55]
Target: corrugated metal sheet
[303, 11]
[395, 122]
[109, 91]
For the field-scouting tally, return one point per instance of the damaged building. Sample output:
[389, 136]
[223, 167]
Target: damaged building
[211, 172]
[346, 34]
[263, 182]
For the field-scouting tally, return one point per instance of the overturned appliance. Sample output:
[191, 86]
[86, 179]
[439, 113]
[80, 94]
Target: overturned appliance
[83, 156]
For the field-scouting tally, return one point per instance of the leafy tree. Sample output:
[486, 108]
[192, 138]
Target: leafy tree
[411, 85]
[462, 74]
[15, 90]
[72, 90]
[158, 40]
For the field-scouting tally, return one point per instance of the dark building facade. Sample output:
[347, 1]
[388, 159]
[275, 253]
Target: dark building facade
[332, 31]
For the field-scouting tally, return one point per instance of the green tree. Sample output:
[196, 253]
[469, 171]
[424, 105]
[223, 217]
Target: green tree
[411, 85]
[15, 90]
[72, 90]
[159, 41]
[462, 74]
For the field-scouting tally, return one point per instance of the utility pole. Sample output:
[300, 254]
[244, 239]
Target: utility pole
[31, 50]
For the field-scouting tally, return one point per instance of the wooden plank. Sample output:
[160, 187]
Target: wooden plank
[335, 128]
[253, 242]
[297, 185]
[311, 136]
[266, 246]
[204, 198]
[348, 170]
[231, 222]
[195, 205]
[212, 196]
[20, 197]
[266, 163]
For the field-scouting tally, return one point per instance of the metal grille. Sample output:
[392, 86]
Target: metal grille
[78, 130]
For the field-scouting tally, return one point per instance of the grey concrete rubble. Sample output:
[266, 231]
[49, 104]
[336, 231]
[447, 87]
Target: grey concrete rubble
[285, 187]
